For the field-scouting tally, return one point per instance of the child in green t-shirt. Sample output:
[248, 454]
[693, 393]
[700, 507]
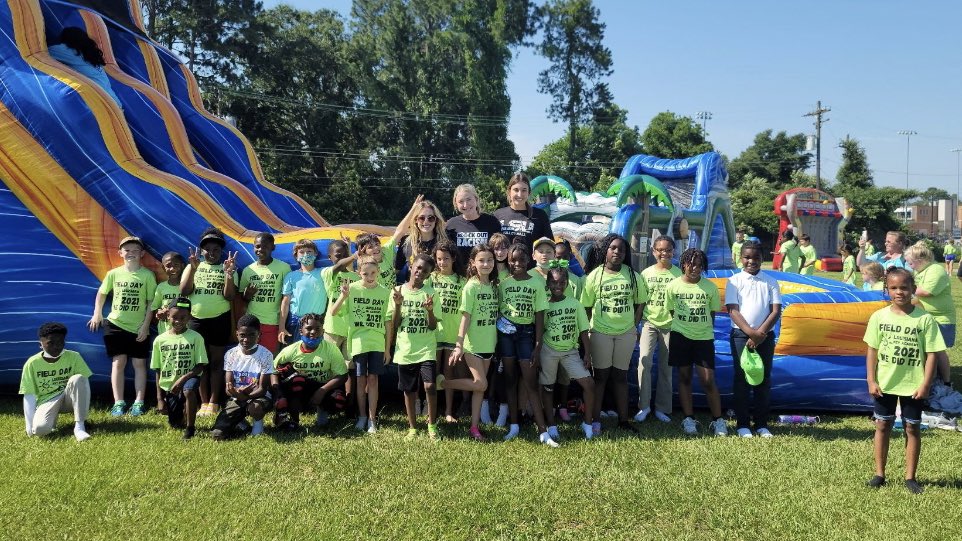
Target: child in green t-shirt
[365, 304]
[211, 286]
[447, 281]
[179, 357]
[261, 283]
[848, 264]
[565, 325]
[900, 365]
[412, 323]
[54, 380]
[809, 256]
[128, 323]
[369, 244]
[693, 301]
[167, 291]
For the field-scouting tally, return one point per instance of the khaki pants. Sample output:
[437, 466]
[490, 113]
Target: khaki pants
[76, 397]
[652, 337]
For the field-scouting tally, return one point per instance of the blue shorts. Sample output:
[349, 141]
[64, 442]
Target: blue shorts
[369, 363]
[948, 334]
[950, 257]
[519, 345]
[885, 408]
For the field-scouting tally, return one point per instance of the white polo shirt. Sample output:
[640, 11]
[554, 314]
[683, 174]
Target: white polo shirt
[754, 295]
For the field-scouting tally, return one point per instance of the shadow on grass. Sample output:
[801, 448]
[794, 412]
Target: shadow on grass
[955, 483]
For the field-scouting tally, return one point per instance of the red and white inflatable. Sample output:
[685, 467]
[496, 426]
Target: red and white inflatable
[817, 214]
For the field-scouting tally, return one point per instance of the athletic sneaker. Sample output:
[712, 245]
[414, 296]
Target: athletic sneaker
[589, 432]
[938, 420]
[596, 428]
[564, 415]
[433, 432]
[642, 415]
[118, 409]
[913, 486]
[371, 428]
[361, 423]
[720, 427]
[204, 410]
[744, 433]
[137, 409]
[512, 432]
[502, 416]
[485, 412]
[321, 420]
[876, 482]
[553, 432]
[689, 425]
[545, 438]
[663, 417]
[476, 434]
[412, 433]
[764, 433]
[81, 434]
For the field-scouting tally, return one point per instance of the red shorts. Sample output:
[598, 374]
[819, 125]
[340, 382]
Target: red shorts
[269, 337]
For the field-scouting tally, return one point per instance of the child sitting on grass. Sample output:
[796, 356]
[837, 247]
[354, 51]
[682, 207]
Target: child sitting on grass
[249, 369]
[900, 364]
[52, 381]
[179, 357]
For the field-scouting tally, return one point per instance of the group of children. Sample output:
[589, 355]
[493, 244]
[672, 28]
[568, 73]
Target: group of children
[445, 328]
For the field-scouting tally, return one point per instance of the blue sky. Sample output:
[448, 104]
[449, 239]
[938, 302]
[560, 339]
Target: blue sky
[882, 66]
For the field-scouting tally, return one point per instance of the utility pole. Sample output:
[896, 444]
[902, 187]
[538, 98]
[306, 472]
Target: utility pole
[704, 116]
[817, 113]
[908, 141]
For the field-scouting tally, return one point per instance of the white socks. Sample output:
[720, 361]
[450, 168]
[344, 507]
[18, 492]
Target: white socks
[502, 415]
[512, 432]
[485, 412]
[589, 432]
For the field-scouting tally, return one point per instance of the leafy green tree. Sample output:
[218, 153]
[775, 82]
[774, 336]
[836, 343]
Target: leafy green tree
[671, 136]
[752, 208]
[854, 171]
[572, 43]
[773, 158]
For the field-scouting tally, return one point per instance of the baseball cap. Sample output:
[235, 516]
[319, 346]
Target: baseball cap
[130, 239]
[541, 241]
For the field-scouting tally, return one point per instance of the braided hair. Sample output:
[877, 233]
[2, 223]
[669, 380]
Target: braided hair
[599, 253]
[516, 248]
[694, 256]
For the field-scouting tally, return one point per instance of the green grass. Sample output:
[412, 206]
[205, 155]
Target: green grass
[136, 479]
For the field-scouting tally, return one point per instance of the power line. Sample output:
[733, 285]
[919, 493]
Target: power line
[817, 113]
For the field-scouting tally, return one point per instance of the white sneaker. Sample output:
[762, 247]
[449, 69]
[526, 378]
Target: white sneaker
[589, 432]
[371, 428]
[361, 423]
[502, 416]
[609, 413]
[663, 417]
[485, 413]
[553, 432]
[642, 415]
[764, 433]
[720, 427]
[545, 438]
[689, 425]
[512, 432]
[81, 434]
[744, 433]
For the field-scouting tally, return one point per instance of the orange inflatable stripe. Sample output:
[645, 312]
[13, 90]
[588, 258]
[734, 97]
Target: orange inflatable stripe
[137, 14]
[154, 69]
[825, 328]
[97, 30]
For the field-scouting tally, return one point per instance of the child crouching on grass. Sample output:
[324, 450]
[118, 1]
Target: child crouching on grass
[412, 321]
[900, 364]
[249, 369]
[179, 357]
[52, 381]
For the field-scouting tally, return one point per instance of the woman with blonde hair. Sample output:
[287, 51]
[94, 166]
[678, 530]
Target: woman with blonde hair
[425, 227]
[471, 227]
[933, 292]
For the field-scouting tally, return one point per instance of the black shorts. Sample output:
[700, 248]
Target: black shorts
[683, 351]
[911, 408]
[370, 363]
[411, 376]
[215, 330]
[120, 342]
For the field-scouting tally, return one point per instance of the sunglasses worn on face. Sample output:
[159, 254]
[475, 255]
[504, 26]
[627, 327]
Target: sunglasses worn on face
[431, 218]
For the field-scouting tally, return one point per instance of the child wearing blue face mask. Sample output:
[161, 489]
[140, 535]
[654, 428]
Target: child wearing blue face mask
[308, 372]
[302, 292]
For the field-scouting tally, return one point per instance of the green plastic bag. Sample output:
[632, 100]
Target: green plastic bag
[751, 363]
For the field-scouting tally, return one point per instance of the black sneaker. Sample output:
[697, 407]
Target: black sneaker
[876, 482]
[188, 433]
[913, 486]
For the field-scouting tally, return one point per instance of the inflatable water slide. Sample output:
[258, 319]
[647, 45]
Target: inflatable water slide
[79, 172]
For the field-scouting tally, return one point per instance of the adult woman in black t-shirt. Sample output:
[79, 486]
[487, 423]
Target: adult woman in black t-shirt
[424, 228]
[520, 221]
[472, 227]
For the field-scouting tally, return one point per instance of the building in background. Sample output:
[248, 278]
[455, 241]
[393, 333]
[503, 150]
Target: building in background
[938, 219]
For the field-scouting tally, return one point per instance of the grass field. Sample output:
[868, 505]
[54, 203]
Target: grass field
[136, 479]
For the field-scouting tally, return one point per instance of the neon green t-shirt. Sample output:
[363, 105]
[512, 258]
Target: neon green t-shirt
[46, 380]
[366, 310]
[810, 255]
[266, 302]
[902, 341]
[564, 321]
[935, 280]
[521, 299]
[162, 297]
[132, 295]
[207, 301]
[737, 253]
[950, 249]
[447, 296]
[657, 280]
[337, 325]
[612, 298]
[869, 248]
[174, 355]
[575, 283]
[415, 341]
[848, 266]
[790, 254]
[321, 365]
[692, 305]
[480, 301]
[386, 274]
